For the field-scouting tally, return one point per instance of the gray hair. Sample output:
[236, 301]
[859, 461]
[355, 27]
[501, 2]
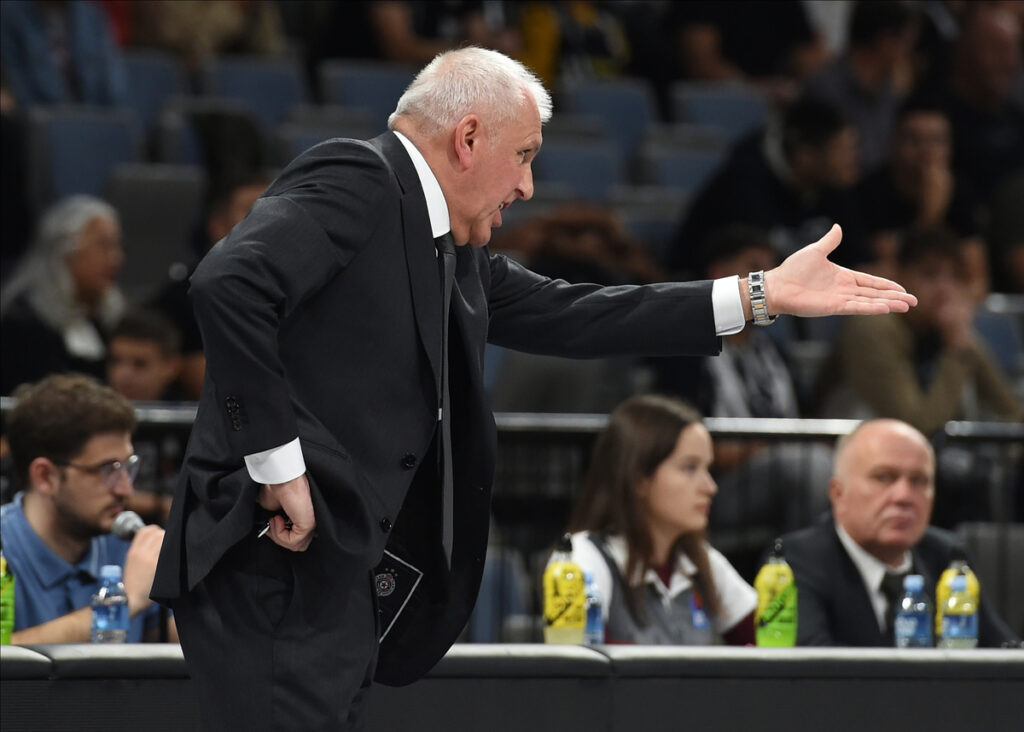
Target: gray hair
[466, 80]
[43, 274]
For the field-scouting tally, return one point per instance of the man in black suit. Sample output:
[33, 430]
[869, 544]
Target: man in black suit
[882, 492]
[323, 416]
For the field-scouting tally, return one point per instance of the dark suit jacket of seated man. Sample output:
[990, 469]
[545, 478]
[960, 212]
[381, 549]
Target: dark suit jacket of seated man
[882, 493]
[321, 318]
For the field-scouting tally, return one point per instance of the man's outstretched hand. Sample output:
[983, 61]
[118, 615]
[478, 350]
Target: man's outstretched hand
[807, 284]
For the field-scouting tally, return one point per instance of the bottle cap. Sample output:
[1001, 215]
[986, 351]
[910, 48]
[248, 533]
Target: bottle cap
[960, 583]
[110, 571]
[777, 547]
[565, 543]
[913, 583]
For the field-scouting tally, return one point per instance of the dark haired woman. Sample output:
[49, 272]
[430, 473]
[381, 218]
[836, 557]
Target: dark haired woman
[639, 528]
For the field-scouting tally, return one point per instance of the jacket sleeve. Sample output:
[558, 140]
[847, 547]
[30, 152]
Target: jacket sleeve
[297, 238]
[528, 312]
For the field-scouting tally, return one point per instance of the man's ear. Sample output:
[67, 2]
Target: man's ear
[835, 490]
[44, 476]
[467, 139]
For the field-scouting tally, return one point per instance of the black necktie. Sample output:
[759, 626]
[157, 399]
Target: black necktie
[892, 588]
[446, 247]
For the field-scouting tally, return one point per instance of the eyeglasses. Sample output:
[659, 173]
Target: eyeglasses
[109, 472]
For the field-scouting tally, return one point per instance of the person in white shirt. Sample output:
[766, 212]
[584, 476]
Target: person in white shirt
[639, 528]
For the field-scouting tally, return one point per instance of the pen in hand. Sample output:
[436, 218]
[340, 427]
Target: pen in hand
[266, 528]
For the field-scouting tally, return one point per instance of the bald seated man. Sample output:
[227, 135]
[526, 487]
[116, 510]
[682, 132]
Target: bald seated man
[882, 490]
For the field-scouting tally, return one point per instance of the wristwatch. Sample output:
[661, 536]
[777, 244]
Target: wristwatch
[755, 286]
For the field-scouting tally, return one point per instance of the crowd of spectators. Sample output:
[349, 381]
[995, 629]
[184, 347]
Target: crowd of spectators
[901, 121]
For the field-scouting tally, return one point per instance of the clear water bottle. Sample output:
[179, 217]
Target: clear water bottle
[593, 633]
[110, 617]
[960, 617]
[912, 625]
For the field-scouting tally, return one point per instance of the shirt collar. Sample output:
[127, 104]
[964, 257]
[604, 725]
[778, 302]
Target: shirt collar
[871, 568]
[49, 569]
[437, 207]
[680, 581]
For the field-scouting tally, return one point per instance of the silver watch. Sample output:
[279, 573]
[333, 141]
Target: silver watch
[755, 286]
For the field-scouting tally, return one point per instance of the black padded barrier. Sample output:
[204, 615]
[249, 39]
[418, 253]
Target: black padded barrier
[536, 688]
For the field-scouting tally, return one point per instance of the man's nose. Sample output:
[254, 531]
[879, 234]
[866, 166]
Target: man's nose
[525, 188]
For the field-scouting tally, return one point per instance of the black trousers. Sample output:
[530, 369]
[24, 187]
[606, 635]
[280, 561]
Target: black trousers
[278, 640]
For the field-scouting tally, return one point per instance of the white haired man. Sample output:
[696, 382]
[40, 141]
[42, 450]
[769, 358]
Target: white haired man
[331, 521]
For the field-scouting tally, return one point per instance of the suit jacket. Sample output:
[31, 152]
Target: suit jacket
[321, 318]
[833, 607]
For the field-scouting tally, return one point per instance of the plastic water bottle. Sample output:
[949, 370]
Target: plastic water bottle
[943, 588]
[565, 611]
[110, 617]
[593, 634]
[960, 619]
[912, 625]
[775, 616]
[6, 602]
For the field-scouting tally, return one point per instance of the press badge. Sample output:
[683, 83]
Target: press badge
[698, 615]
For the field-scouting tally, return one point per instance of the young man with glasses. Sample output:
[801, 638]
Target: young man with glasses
[70, 441]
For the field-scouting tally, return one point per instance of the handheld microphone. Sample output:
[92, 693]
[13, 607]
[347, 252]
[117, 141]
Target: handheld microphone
[126, 524]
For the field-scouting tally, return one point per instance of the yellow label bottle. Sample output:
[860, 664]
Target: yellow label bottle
[6, 602]
[565, 609]
[944, 586]
[775, 618]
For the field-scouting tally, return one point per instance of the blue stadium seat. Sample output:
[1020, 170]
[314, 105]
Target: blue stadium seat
[590, 169]
[269, 87]
[627, 107]
[676, 166]
[295, 137]
[733, 108]
[74, 149]
[373, 85]
[153, 77]
[177, 137]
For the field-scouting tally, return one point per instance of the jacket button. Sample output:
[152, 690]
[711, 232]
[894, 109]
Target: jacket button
[409, 462]
[385, 525]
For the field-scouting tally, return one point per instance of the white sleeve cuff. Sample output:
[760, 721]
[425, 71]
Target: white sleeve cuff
[276, 465]
[728, 307]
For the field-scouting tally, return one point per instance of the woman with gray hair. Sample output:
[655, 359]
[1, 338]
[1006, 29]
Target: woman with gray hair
[62, 298]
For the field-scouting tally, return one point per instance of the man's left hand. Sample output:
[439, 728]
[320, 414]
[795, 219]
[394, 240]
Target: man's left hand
[809, 285]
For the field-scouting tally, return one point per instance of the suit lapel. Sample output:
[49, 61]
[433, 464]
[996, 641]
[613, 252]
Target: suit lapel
[420, 256]
[855, 611]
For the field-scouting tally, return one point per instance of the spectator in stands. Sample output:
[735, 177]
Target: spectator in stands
[917, 188]
[986, 117]
[640, 529]
[198, 31]
[794, 180]
[60, 53]
[565, 40]
[1006, 235]
[59, 304]
[727, 42]
[144, 365]
[750, 378]
[70, 439]
[228, 203]
[929, 366]
[849, 566]
[868, 81]
[145, 357]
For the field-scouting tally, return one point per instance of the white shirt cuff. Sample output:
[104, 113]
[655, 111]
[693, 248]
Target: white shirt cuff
[728, 307]
[276, 465]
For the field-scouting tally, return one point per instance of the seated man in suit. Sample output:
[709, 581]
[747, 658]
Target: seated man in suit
[882, 491]
[70, 439]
